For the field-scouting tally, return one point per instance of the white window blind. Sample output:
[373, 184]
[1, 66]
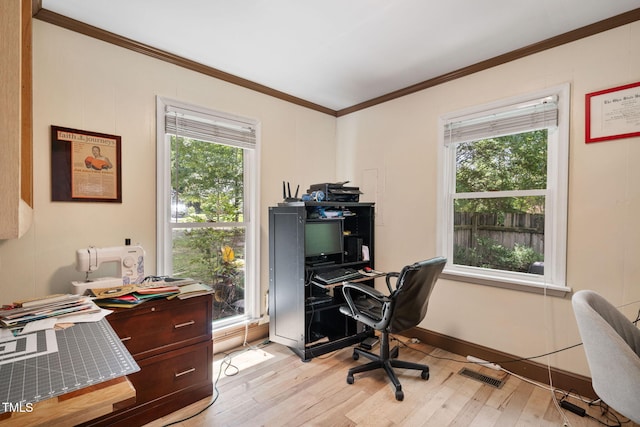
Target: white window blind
[222, 130]
[524, 117]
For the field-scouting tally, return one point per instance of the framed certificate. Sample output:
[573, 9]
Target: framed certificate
[613, 113]
[85, 166]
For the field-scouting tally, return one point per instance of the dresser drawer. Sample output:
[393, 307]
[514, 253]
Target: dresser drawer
[171, 342]
[163, 325]
[173, 372]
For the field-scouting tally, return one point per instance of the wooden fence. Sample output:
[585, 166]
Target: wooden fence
[506, 229]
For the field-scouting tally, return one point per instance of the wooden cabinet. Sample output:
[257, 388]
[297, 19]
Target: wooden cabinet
[171, 342]
[296, 319]
[16, 188]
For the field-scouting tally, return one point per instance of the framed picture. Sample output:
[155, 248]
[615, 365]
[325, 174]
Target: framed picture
[613, 113]
[85, 166]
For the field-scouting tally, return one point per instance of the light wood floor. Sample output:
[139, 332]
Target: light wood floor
[270, 386]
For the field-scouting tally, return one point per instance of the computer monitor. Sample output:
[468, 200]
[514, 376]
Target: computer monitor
[323, 238]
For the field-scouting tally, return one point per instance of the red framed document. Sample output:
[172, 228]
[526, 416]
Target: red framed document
[613, 113]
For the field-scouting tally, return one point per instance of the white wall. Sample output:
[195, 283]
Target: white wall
[392, 148]
[86, 84]
[389, 150]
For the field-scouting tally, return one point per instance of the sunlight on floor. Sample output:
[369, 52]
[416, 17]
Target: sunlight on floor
[240, 360]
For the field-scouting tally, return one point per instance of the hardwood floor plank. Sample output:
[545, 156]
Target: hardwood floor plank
[515, 404]
[499, 397]
[273, 387]
[487, 416]
[472, 408]
[539, 398]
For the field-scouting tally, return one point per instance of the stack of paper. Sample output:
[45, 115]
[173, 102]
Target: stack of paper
[194, 290]
[43, 308]
[131, 295]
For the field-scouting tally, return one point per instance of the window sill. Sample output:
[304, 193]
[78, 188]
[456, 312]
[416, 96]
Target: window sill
[507, 283]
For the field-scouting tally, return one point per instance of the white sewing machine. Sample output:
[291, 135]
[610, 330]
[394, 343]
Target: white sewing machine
[129, 261]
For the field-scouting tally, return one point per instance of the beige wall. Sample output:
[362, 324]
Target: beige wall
[86, 84]
[393, 148]
[389, 150]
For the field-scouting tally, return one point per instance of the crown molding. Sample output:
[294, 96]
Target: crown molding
[108, 37]
[571, 36]
[568, 37]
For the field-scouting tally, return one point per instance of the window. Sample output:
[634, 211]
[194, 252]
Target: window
[503, 201]
[207, 205]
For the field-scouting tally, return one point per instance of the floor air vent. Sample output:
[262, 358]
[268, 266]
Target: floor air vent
[493, 382]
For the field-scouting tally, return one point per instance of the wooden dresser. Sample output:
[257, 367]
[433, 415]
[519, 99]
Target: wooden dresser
[171, 342]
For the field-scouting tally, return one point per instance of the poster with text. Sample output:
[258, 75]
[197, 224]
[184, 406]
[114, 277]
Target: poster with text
[85, 166]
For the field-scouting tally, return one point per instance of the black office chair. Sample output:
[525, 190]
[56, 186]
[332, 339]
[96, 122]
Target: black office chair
[404, 308]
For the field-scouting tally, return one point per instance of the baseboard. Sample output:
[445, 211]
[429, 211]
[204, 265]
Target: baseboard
[535, 371]
[561, 379]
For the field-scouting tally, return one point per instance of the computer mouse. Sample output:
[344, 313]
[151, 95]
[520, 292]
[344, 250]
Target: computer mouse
[367, 269]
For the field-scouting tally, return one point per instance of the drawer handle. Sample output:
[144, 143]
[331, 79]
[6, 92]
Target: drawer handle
[125, 339]
[182, 325]
[188, 371]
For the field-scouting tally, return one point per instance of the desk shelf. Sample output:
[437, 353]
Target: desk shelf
[313, 330]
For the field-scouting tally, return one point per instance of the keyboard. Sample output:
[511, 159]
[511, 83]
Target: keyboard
[338, 275]
[312, 301]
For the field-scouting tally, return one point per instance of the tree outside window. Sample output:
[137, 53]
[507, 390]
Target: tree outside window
[207, 192]
[503, 206]
[504, 233]
[207, 187]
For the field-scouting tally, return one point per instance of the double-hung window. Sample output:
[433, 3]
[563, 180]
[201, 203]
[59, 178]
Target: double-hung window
[503, 193]
[207, 192]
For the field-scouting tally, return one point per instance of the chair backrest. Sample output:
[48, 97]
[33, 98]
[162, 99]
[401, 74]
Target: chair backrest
[413, 289]
[612, 345]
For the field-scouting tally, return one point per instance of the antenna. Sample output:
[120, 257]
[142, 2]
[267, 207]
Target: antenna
[286, 192]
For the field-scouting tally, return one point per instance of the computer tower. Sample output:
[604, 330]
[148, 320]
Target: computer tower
[354, 249]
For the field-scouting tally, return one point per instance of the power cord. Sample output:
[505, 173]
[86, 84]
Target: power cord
[562, 403]
[581, 412]
[552, 389]
[497, 363]
[229, 371]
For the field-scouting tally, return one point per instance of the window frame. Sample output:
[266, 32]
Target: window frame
[553, 281]
[251, 216]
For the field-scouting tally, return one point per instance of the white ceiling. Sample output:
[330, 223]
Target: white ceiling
[338, 53]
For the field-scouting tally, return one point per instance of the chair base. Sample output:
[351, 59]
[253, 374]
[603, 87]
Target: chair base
[387, 361]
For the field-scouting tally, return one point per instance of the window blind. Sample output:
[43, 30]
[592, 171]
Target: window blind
[524, 117]
[210, 128]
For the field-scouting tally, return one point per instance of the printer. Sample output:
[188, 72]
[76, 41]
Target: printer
[336, 192]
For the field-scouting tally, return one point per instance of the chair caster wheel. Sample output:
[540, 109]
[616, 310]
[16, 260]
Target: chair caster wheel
[349, 379]
[425, 375]
[355, 356]
[399, 395]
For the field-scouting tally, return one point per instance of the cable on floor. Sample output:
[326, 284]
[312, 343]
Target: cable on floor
[597, 402]
[226, 360]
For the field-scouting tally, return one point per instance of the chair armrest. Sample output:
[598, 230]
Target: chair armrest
[389, 276]
[352, 290]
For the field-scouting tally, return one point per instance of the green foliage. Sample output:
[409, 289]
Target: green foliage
[512, 162]
[489, 254]
[198, 254]
[505, 163]
[207, 181]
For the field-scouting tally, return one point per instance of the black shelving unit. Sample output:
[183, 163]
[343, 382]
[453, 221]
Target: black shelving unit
[314, 328]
